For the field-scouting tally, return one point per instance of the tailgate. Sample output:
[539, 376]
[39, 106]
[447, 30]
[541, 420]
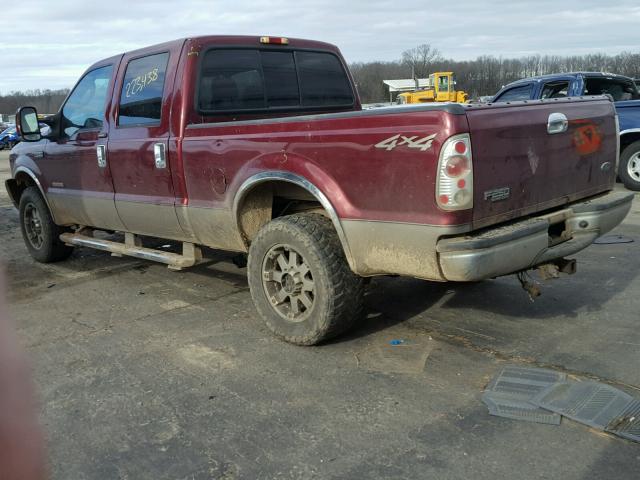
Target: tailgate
[521, 168]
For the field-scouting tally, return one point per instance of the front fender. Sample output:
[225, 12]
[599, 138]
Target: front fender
[24, 169]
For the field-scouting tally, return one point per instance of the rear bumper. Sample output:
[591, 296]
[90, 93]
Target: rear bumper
[521, 245]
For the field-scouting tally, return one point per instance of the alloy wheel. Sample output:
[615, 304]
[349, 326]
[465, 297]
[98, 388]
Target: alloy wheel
[33, 226]
[288, 283]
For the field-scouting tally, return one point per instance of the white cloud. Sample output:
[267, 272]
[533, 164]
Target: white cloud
[49, 44]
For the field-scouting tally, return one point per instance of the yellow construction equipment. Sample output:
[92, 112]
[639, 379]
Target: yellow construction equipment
[441, 88]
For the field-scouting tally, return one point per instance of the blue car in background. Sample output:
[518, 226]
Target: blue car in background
[9, 137]
[625, 95]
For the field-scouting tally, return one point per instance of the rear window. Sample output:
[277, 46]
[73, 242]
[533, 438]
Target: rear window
[231, 80]
[280, 79]
[522, 92]
[619, 89]
[323, 80]
[237, 80]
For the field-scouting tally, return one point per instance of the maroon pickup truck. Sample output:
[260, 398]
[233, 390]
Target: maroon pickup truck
[260, 145]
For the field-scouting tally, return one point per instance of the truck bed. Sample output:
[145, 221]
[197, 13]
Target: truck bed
[337, 152]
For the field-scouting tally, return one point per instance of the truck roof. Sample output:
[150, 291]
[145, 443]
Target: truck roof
[229, 40]
[551, 76]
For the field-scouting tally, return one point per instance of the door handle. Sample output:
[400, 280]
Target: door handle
[557, 123]
[101, 153]
[160, 155]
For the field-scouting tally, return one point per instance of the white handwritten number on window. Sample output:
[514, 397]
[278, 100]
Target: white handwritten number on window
[139, 83]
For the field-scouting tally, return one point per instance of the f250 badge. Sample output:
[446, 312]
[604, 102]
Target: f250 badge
[398, 140]
[497, 194]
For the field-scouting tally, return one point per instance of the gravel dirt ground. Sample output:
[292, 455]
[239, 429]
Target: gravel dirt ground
[144, 373]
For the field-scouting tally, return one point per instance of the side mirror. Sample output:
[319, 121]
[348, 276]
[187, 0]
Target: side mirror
[27, 124]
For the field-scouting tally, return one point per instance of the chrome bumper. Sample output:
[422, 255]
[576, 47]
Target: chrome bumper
[521, 245]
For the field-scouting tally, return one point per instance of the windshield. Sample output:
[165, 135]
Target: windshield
[620, 89]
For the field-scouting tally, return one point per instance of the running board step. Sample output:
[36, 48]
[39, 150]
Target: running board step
[191, 254]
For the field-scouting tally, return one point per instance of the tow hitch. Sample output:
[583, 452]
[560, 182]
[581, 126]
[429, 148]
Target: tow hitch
[547, 271]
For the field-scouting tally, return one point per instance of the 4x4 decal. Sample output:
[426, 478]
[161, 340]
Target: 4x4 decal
[398, 140]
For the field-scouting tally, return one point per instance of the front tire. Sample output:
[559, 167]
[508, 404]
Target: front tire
[40, 234]
[629, 170]
[300, 280]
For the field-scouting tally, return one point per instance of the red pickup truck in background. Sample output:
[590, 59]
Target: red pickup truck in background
[260, 145]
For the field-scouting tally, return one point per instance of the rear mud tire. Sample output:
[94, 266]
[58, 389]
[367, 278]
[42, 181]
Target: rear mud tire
[41, 235]
[629, 170]
[300, 281]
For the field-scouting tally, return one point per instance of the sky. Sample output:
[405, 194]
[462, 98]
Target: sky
[48, 44]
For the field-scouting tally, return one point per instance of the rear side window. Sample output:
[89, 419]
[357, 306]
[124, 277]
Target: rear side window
[556, 89]
[236, 80]
[141, 96]
[618, 89]
[522, 92]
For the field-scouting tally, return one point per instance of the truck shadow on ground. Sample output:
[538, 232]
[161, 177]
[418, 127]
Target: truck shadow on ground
[490, 308]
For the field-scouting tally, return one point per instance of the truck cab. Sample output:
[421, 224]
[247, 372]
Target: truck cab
[623, 91]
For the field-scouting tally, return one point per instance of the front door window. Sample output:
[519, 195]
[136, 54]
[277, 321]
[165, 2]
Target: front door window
[85, 107]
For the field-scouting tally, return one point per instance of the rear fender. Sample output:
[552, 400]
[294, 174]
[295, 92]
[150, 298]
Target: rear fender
[300, 167]
[300, 172]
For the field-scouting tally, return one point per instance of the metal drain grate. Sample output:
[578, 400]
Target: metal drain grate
[627, 424]
[594, 404]
[518, 410]
[544, 396]
[524, 381]
[508, 394]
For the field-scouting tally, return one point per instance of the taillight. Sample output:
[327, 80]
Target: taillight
[454, 186]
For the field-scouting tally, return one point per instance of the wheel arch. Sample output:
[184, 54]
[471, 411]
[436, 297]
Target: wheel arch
[627, 137]
[251, 190]
[23, 178]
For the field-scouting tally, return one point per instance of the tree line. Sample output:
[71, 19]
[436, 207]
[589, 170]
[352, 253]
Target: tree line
[45, 101]
[483, 76]
[486, 74]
